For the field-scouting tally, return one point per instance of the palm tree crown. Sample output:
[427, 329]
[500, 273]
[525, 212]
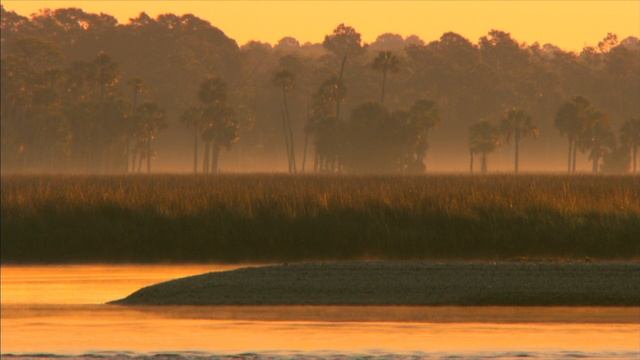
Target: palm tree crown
[517, 125]
[284, 79]
[598, 140]
[212, 90]
[573, 117]
[484, 138]
[386, 62]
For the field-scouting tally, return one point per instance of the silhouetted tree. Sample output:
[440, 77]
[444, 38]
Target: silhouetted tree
[422, 117]
[517, 125]
[137, 85]
[344, 42]
[219, 126]
[386, 62]
[221, 131]
[572, 119]
[484, 138]
[66, 109]
[212, 96]
[151, 120]
[597, 139]
[192, 118]
[372, 140]
[325, 127]
[285, 81]
[616, 161]
[630, 139]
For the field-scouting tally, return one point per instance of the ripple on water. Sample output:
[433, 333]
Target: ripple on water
[327, 355]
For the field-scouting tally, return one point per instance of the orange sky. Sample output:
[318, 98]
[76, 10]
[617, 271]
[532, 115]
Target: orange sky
[568, 24]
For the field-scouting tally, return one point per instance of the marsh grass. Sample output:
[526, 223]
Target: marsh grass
[183, 218]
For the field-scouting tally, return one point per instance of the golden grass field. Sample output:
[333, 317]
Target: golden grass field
[185, 218]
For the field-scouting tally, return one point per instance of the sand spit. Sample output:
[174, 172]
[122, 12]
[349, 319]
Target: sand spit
[404, 283]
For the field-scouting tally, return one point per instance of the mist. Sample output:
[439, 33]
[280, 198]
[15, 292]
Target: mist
[83, 93]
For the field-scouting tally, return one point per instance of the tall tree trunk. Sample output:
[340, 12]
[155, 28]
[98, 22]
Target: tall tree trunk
[285, 132]
[304, 152]
[635, 158]
[384, 82]
[338, 100]
[471, 162]
[575, 152]
[569, 161]
[483, 165]
[517, 152]
[423, 161]
[315, 160]
[140, 158]
[292, 151]
[149, 154]
[205, 158]
[134, 105]
[126, 155]
[195, 149]
[594, 164]
[131, 163]
[215, 155]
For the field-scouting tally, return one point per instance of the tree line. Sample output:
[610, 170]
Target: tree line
[81, 92]
[585, 128]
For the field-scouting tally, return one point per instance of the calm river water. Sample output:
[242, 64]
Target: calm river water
[60, 310]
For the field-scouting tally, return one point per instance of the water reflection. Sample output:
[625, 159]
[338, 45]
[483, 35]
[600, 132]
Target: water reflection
[59, 310]
[86, 328]
[87, 284]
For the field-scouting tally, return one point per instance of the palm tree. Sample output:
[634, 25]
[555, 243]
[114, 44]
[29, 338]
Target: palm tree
[344, 42]
[212, 96]
[152, 120]
[285, 80]
[212, 91]
[106, 74]
[598, 139]
[307, 131]
[630, 138]
[137, 87]
[221, 130]
[422, 116]
[192, 118]
[323, 126]
[385, 62]
[517, 125]
[484, 138]
[215, 120]
[573, 117]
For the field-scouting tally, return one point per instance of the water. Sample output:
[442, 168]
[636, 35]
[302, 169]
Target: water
[60, 310]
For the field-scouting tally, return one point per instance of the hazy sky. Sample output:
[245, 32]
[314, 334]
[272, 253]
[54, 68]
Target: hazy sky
[568, 24]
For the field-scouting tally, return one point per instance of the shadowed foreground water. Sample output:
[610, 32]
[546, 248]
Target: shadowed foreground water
[59, 310]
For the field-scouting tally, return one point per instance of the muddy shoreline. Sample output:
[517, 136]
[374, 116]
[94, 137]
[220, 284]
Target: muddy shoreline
[404, 283]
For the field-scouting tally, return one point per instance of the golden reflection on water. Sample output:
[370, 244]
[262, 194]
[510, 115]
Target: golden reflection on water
[87, 284]
[58, 309]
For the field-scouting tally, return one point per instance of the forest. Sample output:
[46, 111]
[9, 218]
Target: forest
[82, 93]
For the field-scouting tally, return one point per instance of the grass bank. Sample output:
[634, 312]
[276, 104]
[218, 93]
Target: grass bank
[277, 218]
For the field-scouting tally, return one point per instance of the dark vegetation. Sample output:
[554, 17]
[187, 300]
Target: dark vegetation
[83, 93]
[403, 283]
[279, 217]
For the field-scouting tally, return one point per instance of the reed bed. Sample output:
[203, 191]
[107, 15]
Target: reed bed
[184, 218]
